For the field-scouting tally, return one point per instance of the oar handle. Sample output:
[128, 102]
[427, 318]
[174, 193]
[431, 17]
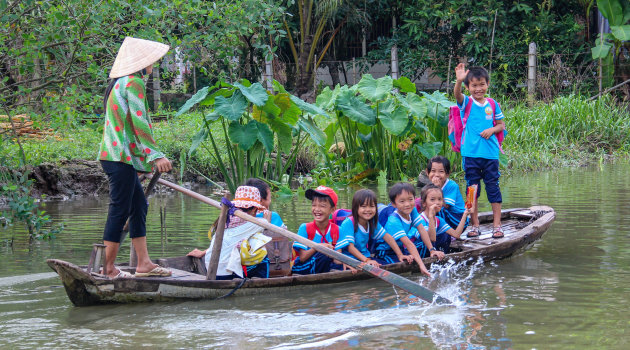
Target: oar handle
[388, 276]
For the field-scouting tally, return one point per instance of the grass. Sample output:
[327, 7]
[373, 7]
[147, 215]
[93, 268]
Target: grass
[571, 131]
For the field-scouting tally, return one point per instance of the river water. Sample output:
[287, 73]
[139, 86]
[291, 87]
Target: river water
[570, 290]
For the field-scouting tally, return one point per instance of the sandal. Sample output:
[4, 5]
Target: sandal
[122, 274]
[159, 271]
[474, 232]
[497, 232]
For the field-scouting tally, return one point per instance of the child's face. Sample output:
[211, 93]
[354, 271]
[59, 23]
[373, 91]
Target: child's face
[266, 202]
[321, 209]
[438, 175]
[367, 211]
[434, 197]
[478, 88]
[405, 202]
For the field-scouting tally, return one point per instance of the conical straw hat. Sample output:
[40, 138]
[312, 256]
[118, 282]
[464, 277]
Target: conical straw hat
[136, 54]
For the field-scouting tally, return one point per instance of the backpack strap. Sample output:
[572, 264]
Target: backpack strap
[311, 229]
[466, 112]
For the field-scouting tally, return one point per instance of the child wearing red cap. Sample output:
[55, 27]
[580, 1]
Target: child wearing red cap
[321, 230]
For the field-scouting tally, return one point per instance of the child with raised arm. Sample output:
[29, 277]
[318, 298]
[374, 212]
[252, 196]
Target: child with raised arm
[402, 225]
[321, 231]
[480, 147]
[439, 230]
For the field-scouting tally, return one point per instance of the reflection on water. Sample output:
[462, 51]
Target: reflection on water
[568, 291]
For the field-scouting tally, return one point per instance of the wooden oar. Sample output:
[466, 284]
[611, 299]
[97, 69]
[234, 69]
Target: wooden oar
[387, 276]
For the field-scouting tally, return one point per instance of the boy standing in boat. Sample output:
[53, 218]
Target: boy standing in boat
[321, 230]
[480, 147]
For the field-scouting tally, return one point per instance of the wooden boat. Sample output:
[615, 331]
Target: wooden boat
[522, 228]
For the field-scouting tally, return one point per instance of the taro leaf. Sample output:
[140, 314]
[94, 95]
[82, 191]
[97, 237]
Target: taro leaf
[612, 10]
[395, 122]
[243, 135]
[375, 89]
[210, 99]
[405, 85]
[439, 98]
[255, 94]
[410, 125]
[354, 109]
[310, 128]
[308, 107]
[259, 115]
[417, 106]
[622, 33]
[420, 126]
[283, 132]
[196, 98]
[503, 160]
[365, 137]
[200, 137]
[330, 131]
[387, 106]
[271, 108]
[212, 116]
[429, 149]
[364, 129]
[265, 135]
[290, 111]
[600, 51]
[325, 99]
[231, 108]
[277, 87]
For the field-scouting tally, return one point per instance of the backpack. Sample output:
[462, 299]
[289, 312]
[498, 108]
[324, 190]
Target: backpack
[311, 229]
[340, 215]
[456, 125]
[279, 253]
[384, 211]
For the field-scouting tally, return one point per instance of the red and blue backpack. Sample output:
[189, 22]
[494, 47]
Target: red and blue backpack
[311, 230]
[457, 124]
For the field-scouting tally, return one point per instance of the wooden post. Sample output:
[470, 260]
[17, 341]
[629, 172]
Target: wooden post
[354, 71]
[268, 71]
[531, 74]
[156, 87]
[600, 71]
[96, 259]
[315, 76]
[194, 69]
[394, 53]
[448, 74]
[218, 243]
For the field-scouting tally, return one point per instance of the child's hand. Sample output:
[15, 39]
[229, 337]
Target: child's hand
[348, 267]
[327, 245]
[461, 72]
[487, 133]
[406, 258]
[197, 253]
[372, 262]
[424, 270]
[437, 253]
[434, 209]
[467, 212]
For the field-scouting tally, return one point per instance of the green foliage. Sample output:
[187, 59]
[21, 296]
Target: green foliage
[608, 45]
[22, 208]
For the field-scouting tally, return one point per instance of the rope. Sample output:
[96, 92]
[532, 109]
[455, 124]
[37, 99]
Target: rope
[233, 290]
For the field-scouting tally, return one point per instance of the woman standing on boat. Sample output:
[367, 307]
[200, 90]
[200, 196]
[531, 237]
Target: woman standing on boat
[128, 148]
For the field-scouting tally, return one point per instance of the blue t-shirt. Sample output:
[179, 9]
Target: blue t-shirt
[320, 237]
[398, 227]
[440, 225]
[480, 119]
[359, 238]
[275, 218]
[453, 197]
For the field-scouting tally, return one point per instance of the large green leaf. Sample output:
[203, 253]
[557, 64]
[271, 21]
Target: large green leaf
[308, 107]
[283, 133]
[621, 33]
[265, 135]
[395, 122]
[612, 10]
[196, 98]
[200, 137]
[210, 99]
[243, 135]
[290, 111]
[439, 98]
[354, 109]
[600, 51]
[405, 85]
[231, 108]
[416, 106]
[429, 149]
[307, 125]
[375, 89]
[255, 93]
[330, 131]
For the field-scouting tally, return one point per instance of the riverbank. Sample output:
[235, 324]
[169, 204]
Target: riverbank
[569, 132]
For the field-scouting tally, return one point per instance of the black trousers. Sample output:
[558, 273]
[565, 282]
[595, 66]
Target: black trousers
[126, 201]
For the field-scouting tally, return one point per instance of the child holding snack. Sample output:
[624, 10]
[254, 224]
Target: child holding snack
[321, 230]
[432, 201]
[480, 146]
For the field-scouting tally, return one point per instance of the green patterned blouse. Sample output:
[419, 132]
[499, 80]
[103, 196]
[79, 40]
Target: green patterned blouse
[127, 136]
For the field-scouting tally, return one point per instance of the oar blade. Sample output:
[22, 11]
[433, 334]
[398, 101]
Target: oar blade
[406, 284]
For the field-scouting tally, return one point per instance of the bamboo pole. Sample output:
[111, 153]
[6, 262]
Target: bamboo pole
[218, 243]
[531, 73]
[387, 276]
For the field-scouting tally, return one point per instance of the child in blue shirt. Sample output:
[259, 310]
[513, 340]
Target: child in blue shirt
[439, 230]
[480, 147]
[265, 194]
[361, 230]
[439, 169]
[321, 230]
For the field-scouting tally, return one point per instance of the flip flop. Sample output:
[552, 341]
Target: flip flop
[122, 274]
[498, 233]
[474, 232]
[159, 271]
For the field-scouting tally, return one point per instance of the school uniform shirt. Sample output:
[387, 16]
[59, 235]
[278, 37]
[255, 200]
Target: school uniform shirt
[440, 225]
[480, 119]
[398, 227]
[320, 237]
[275, 218]
[128, 135]
[359, 238]
[453, 197]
